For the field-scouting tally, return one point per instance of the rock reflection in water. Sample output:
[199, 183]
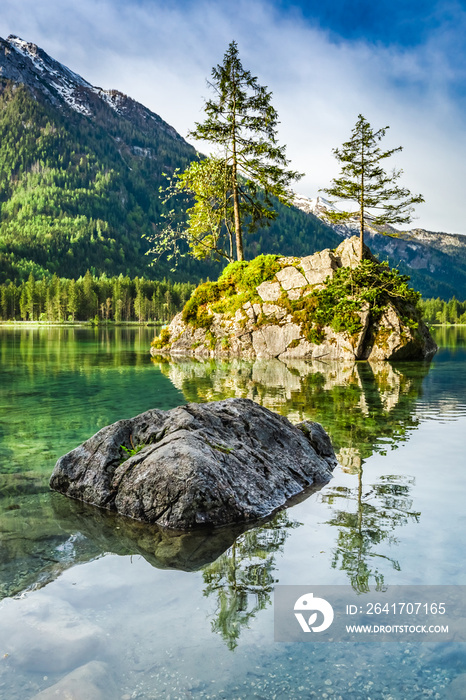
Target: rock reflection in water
[59, 533]
[362, 406]
[162, 548]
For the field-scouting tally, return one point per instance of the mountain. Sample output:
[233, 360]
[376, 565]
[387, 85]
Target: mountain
[80, 171]
[436, 262]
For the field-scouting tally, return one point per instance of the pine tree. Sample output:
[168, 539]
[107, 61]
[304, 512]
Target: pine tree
[242, 122]
[364, 181]
[30, 295]
[72, 301]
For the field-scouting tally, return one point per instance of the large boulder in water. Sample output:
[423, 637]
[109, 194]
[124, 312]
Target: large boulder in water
[223, 462]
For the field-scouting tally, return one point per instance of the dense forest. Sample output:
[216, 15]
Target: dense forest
[121, 299]
[98, 299]
[441, 311]
[75, 196]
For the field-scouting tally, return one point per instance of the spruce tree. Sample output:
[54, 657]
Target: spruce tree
[364, 181]
[242, 122]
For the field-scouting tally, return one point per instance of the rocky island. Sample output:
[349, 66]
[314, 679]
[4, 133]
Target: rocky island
[224, 462]
[327, 305]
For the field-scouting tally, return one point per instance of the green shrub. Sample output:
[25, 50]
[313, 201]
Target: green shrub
[338, 305]
[163, 340]
[370, 284]
[259, 270]
[235, 286]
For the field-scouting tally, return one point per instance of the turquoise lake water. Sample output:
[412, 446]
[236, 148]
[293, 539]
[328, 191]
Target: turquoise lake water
[169, 615]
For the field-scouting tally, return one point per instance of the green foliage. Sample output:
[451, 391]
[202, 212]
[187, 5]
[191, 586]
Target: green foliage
[162, 341]
[235, 286]
[246, 276]
[441, 311]
[371, 284]
[194, 310]
[205, 229]
[133, 449]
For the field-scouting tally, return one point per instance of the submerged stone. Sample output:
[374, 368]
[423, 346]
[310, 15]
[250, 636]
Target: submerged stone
[228, 461]
[93, 681]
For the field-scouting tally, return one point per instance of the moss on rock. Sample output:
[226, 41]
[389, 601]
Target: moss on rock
[352, 308]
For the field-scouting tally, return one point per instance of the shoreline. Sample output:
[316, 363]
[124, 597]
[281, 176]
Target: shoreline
[80, 324]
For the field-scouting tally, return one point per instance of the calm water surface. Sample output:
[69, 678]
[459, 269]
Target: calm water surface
[167, 615]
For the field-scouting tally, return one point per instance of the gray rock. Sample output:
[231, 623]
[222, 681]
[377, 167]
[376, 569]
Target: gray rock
[389, 339]
[223, 462]
[291, 278]
[273, 310]
[271, 341]
[319, 266]
[347, 252]
[294, 294]
[303, 349]
[399, 334]
[269, 291]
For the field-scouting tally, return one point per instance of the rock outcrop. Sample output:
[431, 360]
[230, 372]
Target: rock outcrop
[224, 462]
[278, 318]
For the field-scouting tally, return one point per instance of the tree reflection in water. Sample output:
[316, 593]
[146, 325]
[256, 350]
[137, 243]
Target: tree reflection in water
[379, 509]
[242, 579]
[363, 407]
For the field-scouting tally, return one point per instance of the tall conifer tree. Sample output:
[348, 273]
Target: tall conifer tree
[242, 122]
[364, 181]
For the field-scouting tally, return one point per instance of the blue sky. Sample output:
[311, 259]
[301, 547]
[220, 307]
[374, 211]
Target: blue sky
[387, 21]
[401, 64]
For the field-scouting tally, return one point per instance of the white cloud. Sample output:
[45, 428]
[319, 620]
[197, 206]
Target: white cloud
[161, 54]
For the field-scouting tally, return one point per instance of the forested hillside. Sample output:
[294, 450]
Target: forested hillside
[435, 261]
[80, 171]
[73, 195]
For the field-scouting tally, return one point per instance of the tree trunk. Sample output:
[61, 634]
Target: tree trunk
[361, 236]
[238, 232]
[236, 212]
[361, 208]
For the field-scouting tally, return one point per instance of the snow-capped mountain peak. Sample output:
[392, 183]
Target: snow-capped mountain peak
[25, 63]
[318, 206]
[43, 62]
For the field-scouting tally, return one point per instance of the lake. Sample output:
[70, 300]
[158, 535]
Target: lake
[131, 611]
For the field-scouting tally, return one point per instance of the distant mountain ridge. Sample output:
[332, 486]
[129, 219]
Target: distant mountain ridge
[435, 261]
